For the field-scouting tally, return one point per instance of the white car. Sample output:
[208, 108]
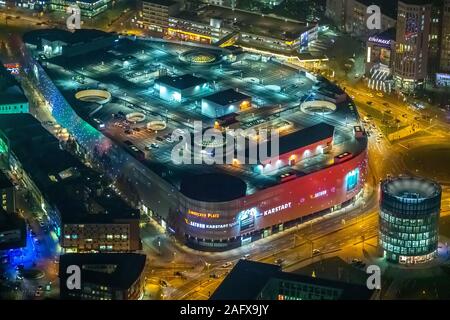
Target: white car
[227, 264]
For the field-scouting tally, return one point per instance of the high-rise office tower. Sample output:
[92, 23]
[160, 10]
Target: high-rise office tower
[413, 31]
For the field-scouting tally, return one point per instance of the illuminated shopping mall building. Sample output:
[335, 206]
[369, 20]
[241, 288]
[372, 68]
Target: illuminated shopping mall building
[321, 164]
[409, 219]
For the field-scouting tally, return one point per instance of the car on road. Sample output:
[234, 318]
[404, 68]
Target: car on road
[227, 265]
[316, 252]
[279, 261]
[379, 94]
[160, 139]
[246, 256]
[163, 283]
[38, 293]
[152, 146]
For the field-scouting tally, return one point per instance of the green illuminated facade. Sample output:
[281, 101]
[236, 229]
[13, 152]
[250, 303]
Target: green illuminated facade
[4, 151]
[409, 219]
[89, 8]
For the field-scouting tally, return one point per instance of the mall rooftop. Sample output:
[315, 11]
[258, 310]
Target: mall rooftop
[181, 82]
[227, 97]
[273, 94]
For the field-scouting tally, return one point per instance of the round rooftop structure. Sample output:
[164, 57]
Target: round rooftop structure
[213, 187]
[318, 107]
[94, 95]
[157, 125]
[201, 56]
[410, 189]
[409, 219]
[135, 117]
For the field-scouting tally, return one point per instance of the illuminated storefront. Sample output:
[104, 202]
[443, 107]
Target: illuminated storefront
[380, 51]
[224, 225]
[409, 217]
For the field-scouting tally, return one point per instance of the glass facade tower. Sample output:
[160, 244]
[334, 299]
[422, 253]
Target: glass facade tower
[409, 219]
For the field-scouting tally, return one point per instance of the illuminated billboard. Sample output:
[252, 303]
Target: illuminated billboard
[247, 218]
[351, 180]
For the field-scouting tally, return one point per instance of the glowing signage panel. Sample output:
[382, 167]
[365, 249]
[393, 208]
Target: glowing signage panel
[351, 180]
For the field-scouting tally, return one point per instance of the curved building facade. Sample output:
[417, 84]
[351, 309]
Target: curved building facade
[212, 225]
[409, 219]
